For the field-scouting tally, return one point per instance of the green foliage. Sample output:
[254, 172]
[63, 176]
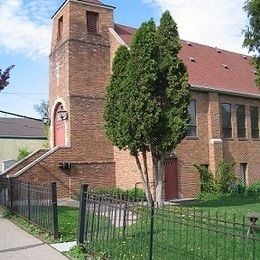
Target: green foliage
[224, 182]
[225, 176]
[237, 188]
[252, 32]
[148, 94]
[22, 153]
[206, 179]
[253, 189]
[134, 193]
[78, 252]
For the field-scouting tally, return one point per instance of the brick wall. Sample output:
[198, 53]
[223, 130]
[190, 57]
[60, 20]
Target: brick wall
[79, 73]
[242, 150]
[97, 174]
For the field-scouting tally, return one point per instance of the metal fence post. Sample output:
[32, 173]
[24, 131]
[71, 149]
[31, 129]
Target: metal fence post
[11, 193]
[124, 219]
[82, 213]
[150, 256]
[55, 227]
[29, 201]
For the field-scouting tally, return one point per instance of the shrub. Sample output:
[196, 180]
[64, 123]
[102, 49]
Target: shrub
[22, 153]
[237, 188]
[134, 193]
[225, 176]
[207, 183]
[253, 189]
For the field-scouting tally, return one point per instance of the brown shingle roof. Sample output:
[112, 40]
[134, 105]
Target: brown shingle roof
[21, 127]
[209, 67]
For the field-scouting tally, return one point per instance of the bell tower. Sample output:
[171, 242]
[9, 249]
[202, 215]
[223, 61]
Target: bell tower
[79, 72]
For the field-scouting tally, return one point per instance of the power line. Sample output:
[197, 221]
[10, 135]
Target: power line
[25, 93]
[14, 114]
[23, 96]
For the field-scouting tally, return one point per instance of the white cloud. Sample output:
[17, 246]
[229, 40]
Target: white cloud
[25, 26]
[218, 23]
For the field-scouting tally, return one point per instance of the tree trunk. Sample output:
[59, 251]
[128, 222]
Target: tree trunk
[145, 179]
[159, 186]
[158, 178]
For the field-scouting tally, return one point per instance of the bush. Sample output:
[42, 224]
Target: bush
[225, 176]
[134, 193]
[237, 188]
[22, 153]
[207, 183]
[253, 189]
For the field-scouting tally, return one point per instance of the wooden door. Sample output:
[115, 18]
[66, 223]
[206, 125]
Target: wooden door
[170, 178]
[59, 129]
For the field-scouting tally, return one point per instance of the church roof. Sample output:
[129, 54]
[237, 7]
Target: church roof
[211, 67]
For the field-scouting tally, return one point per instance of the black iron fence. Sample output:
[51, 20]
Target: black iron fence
[36, 203]
[124, 229]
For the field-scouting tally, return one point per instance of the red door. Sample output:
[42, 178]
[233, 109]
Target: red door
[59, 129]
[171, 178]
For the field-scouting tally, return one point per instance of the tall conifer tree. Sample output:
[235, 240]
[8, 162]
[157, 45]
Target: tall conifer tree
[147, 99]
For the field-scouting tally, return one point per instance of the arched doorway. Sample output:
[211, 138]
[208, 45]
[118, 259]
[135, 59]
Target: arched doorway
[59, 127]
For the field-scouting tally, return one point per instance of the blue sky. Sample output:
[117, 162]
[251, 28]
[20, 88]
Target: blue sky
[26, 29]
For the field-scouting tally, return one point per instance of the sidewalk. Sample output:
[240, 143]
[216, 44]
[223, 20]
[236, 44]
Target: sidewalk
[16, 244]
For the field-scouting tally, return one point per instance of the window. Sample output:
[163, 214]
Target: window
[192, 129]
[254, 122]
[243, 173]
[226, 120]
[60, 27]
[92, 22]
[241, 121]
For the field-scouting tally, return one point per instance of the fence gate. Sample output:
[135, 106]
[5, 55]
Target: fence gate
[171, 178]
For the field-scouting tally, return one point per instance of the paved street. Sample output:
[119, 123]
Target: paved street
[16, 244]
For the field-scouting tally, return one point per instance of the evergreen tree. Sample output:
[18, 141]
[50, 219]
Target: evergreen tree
[147, 99]
[252, 33]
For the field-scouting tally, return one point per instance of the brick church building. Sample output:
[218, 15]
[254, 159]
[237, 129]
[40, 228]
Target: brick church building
[224, 110]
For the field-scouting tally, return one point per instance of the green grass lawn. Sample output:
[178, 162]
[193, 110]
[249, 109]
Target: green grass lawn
[68, 223]
[175, 232]
[215, 231]
[231, 204]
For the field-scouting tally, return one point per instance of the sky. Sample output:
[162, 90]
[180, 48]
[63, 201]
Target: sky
[25, 36]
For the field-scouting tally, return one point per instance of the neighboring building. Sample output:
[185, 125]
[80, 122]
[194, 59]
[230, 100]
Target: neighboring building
[16, 133]
[224, 109]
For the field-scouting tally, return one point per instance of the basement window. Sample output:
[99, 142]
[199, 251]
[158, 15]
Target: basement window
[60, 27]
[243, 173]
[92, 22]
